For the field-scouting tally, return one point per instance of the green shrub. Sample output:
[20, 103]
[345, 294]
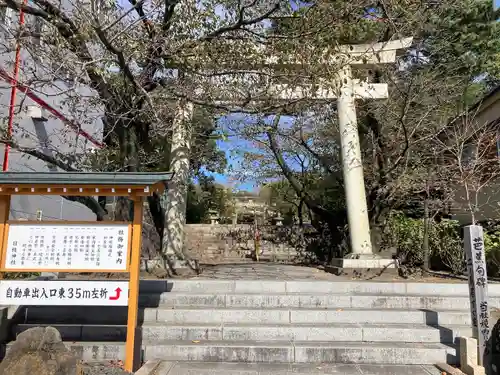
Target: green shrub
[492, 250]
[406, 235]
[445, 244]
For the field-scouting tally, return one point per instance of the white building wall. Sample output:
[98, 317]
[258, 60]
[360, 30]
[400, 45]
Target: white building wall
[49, 136]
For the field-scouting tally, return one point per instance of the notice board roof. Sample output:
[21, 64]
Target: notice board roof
[83, 183]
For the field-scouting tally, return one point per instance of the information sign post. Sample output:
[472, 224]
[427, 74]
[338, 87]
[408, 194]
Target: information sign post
[71, 246]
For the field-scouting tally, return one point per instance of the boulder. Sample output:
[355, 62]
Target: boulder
[39, 351]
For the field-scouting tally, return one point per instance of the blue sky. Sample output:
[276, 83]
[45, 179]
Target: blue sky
[231, 146]
[234, 146]
[496, 3]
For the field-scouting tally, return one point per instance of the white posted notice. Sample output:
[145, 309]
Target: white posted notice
[63, 293]
[67, 246]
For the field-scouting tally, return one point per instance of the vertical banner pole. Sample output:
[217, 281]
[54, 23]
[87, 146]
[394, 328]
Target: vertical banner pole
[132, 351]
[4, 226]
[478, 288]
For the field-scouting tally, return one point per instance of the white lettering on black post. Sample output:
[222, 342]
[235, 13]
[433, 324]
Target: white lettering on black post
[478, 287]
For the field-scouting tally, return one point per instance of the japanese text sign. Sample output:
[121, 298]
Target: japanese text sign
[63, 293]
[478, 287]
[67, 246]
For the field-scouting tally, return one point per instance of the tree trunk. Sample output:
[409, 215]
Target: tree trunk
[300, 209]
[157, 213]
[129, 157]
[425, 245]
[175, 198]
[378, 221]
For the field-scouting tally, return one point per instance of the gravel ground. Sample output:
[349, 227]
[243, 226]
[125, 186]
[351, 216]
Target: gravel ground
[103, 368]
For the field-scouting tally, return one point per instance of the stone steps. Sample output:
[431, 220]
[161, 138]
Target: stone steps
[301, 316]
[270, 301]
[201, 315]
[156, 331]
[216, 368]
[276, 352]
[300, 352]
[313, 287]
[275, 321]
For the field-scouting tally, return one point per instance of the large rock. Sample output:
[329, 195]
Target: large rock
[39, 351]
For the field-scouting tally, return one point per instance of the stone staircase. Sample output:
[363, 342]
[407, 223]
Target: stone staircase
[217, 244]
[274, 322]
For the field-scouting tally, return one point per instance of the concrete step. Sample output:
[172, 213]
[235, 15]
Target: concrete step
[310, 301]
[200, 285]
[301, 352]
[154, 332]
[190, 315]
[299, 316]
[215, 368]
[277, 352]
[307, 332]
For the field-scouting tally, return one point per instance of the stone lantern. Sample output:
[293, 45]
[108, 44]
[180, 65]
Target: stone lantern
[214, 217]
[278, 220]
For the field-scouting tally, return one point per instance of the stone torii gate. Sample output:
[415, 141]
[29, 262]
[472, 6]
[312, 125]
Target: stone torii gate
[345, 90]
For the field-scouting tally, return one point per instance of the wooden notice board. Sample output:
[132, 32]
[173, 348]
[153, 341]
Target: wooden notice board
[72, 246]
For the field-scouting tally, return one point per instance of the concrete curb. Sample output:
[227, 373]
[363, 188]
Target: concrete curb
[469, 357]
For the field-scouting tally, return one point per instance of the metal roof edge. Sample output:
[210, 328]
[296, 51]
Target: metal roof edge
[85, 178]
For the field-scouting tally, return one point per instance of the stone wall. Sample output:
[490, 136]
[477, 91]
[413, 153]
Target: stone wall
[232, 243]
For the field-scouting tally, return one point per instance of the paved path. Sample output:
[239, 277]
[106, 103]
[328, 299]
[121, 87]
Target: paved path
[263, 271]
[208, 368]
[273, 271]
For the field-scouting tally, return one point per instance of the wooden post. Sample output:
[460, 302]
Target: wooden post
[131, 352]
[4, 226]
[79, 368]
[478, 288]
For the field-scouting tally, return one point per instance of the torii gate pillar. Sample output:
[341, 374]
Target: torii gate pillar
[352, 168]
[361, 256]
[346, 90]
